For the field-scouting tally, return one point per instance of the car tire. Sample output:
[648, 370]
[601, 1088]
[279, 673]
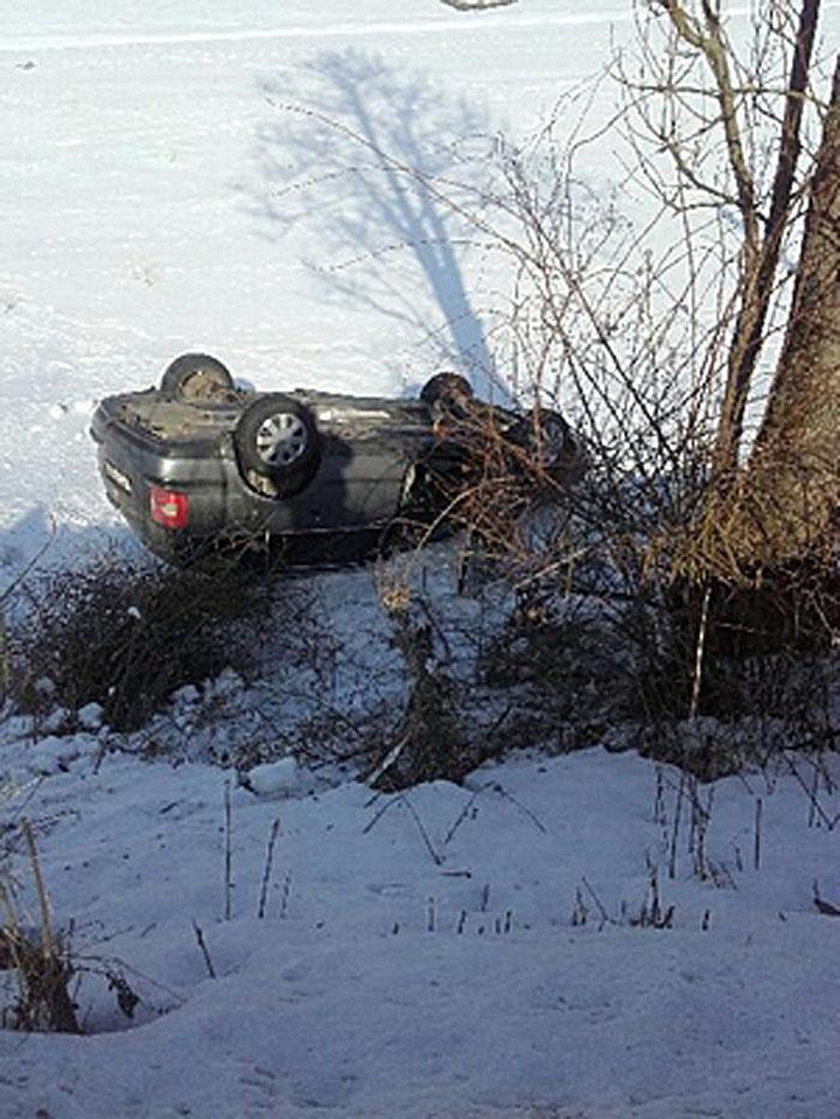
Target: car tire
[548, 438]
[445, 386]
[276, 439]
[196, 378]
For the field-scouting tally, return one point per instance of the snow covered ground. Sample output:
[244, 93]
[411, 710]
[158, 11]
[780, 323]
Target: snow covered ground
[418, 954]
[484, 950]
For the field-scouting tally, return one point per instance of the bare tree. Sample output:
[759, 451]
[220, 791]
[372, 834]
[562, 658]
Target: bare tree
[762, 236]
[667, 357]
[783, 508]
[717, 140]
[779, 507]
[663, 352]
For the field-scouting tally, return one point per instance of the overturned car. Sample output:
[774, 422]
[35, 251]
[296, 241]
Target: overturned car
[202, 469]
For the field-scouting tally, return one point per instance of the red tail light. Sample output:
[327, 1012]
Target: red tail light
[168, 507]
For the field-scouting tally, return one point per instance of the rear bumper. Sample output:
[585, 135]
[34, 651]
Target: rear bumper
[130, 465]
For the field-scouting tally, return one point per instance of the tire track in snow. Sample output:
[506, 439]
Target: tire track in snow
[97, 40]
[489, 21]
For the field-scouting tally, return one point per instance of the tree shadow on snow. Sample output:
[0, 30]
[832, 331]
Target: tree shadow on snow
[389, 171]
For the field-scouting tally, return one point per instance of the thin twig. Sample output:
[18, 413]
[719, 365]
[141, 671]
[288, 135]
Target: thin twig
[698, 655]
[497, 788]
[228, 853]
[438, 860]
[389, 759]
[462, 815]
[605, 917]
[199, 936]
[269, 857]
[672, 860]
[43, 901]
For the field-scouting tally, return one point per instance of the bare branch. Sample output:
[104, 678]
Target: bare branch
[711, 44]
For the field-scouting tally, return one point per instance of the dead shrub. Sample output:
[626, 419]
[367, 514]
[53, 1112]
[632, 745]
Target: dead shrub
[125, 637]
[598, 323]
[46, 970]
[430, 741]
[44, 975]
[603, 639]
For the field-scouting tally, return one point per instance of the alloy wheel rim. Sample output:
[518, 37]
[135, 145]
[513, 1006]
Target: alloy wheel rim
[281, 439]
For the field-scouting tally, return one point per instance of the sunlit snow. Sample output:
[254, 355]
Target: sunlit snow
[300, 944]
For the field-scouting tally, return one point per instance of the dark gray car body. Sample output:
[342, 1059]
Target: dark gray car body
[199, 467]
[370, 453]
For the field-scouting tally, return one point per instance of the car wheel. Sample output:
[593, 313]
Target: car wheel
[547, 438]
[276, 439]
[196, 378]
[446, 387]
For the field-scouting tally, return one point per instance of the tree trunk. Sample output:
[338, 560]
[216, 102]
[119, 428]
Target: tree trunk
[761, 259]
[796, 459]
[783, 508]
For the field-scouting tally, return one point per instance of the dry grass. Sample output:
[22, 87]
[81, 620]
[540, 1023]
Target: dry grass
[41, 959]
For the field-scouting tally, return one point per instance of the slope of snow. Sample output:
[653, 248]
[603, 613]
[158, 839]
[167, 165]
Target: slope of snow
[417, 953]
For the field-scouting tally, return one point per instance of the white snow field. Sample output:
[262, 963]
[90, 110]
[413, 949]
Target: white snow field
[484, 950]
